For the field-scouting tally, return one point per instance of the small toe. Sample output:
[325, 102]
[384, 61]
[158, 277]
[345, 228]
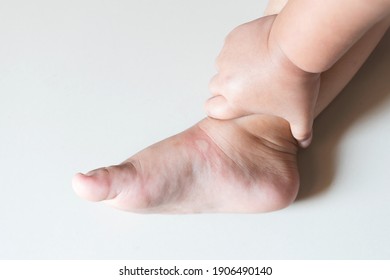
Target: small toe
[219, 108]
[303, 134]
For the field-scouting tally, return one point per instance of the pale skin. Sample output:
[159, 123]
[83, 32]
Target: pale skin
[242, 165]
[272, 65]
[257, 78]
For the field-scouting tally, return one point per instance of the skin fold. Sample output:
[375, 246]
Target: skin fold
[245, 164]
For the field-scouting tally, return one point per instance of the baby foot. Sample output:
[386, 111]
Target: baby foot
[242, 165]
[256, 77]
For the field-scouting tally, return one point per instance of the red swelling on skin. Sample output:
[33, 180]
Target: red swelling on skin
[245, 165]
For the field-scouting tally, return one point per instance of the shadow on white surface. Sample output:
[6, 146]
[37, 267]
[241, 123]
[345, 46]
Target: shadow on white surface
[368, 89]
[87, 83]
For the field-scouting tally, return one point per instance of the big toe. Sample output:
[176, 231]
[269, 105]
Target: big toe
[104, 183]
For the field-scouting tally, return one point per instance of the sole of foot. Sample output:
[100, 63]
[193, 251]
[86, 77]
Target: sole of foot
[245, 165]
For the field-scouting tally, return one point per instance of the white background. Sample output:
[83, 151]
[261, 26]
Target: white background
[87, 83]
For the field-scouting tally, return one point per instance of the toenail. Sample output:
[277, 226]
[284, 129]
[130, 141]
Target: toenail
[90, 173]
